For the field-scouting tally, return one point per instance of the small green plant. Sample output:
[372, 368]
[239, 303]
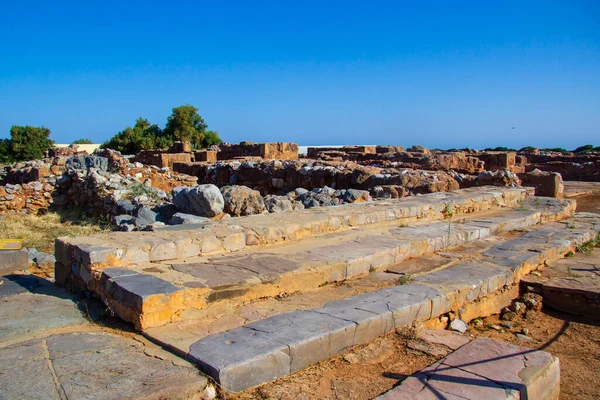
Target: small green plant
[586, 248]
[521, 206]
[403, 279]
[324, 284]
[372, 269]
[139, 189]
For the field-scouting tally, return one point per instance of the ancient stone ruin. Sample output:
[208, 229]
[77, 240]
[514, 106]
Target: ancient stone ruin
[253, 262]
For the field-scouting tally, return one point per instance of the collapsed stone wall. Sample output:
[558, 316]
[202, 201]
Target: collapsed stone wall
[95, 183]
[271, 177]
[388, 155]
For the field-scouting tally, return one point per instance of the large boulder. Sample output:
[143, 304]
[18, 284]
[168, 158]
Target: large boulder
[241, 200]
[277, 204]
[202, 200]
[144, 216]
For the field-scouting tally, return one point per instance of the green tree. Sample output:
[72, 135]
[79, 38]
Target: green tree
[527, 148]
[82, 141]
[584, 149]
[29, 142]
[210, 138]
[5, 152]
[143, 136]
[185, 124]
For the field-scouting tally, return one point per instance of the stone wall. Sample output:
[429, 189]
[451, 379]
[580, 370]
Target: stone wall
[548, 184]
[503, 160]
[570, 171]
[161, 158]
[271, 177]
[273, 151]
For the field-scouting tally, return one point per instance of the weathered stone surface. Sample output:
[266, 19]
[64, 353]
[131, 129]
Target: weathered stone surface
[29, 305]
[144, 216]
[484, 368]
[182, 218]
[241, 200]
[92, 365]
[202, 200]
[12, 261]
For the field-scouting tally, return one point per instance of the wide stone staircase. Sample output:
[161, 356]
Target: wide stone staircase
[252, 299]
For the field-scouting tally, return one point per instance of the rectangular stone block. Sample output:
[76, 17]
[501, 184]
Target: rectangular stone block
[241, 358]
[12, 261]
[133, 289]
[311, 337]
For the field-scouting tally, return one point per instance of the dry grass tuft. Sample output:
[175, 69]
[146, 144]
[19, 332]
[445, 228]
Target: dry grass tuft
[39, 231]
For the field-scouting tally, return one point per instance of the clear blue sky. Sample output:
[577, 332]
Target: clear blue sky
[440, 74]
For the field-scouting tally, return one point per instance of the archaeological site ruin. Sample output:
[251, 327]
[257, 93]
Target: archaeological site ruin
[241, 269]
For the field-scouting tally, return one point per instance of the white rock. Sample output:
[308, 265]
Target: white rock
[458, 325]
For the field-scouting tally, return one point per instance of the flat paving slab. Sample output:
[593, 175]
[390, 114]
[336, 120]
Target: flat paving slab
[484, 369]
[49, 350]
[570, 284]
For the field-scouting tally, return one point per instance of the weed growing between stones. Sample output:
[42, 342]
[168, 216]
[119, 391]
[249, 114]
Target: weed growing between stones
[586, 248]
[139, 189]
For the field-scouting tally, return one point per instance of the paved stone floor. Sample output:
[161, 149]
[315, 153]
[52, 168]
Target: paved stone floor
[571, 284]
[49, 350]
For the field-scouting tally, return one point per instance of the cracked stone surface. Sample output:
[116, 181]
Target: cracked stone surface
[484, 369]
[49, 350]
[571, 284]
[311, 335]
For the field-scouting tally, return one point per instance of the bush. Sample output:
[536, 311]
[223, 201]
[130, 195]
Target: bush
[83, 141]
[555, 149]
[184, 124]
[5, 152]
[29, 142]
[584, 149]
[526, 149]
[499, 149]
[143, 136]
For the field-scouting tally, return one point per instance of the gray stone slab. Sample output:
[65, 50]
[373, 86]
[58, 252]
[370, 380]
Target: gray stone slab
[484, 369]
[25, 313]
[241, 358]
[470, 280]
[12, 261]
[311, 337]
[103, 366]
[219, 276]
[26, 373]
[129, 287]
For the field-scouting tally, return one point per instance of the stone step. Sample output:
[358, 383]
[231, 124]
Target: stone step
[274, 347]
[571, 284]
[484, 369]
[153, 294]
[123, 249]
